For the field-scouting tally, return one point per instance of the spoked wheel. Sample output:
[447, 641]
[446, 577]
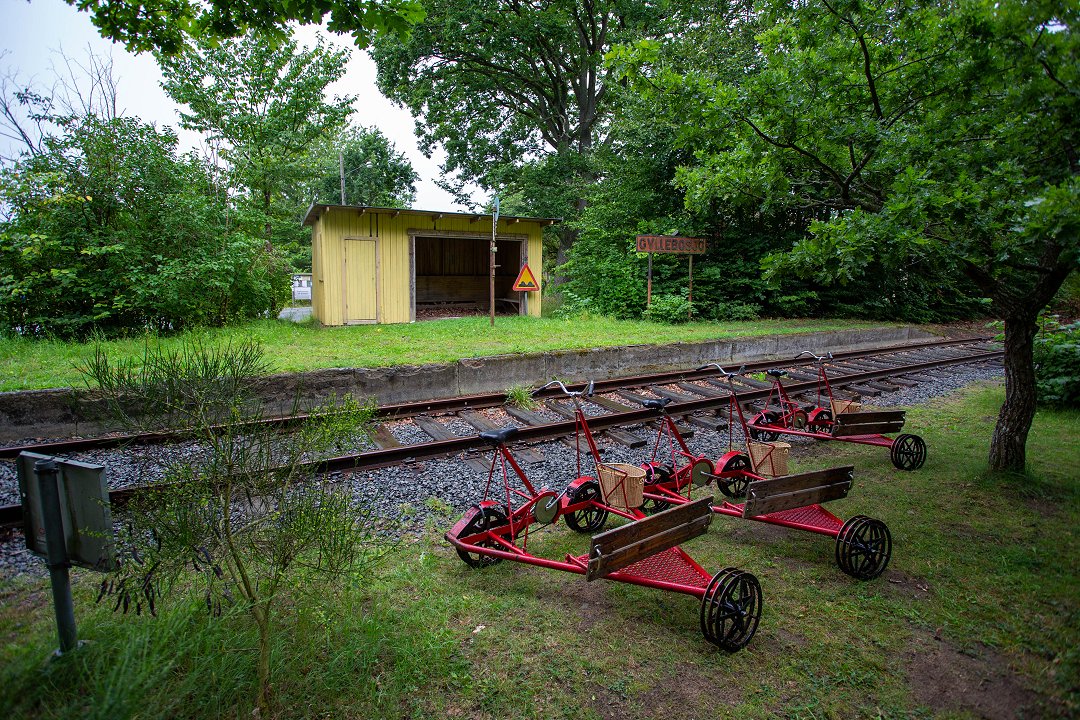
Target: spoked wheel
[486, 519]
[589, 519]
[863, 547]
[764, 418]
[908, 452]
[821, 422]
[735, 487]
[731, 609]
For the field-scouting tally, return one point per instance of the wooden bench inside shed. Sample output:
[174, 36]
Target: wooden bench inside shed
[795, 491]
[868, 423]
[623, 546]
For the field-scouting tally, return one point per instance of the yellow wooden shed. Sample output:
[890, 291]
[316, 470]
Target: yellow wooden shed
[377, 265]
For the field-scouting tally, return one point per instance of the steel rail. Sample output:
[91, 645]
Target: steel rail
[372, 459]
[446, 405]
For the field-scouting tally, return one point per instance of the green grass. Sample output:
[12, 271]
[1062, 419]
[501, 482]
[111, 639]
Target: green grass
[981, 594]
[290, 347]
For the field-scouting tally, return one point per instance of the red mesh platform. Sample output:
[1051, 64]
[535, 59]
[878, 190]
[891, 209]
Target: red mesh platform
[813, 515]
[667, 566]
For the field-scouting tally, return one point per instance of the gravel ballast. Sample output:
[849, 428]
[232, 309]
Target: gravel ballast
[435, 492]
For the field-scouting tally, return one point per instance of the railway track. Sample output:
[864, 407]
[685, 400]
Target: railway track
[697, 396]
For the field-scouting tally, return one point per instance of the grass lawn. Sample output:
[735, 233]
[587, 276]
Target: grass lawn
[978, 615]
[290, 347]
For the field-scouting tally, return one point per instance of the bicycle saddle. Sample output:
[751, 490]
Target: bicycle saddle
[656, 403]
[500, 436]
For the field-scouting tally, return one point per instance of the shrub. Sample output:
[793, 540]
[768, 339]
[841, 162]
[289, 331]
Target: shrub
[1057, 363]
[670, 309]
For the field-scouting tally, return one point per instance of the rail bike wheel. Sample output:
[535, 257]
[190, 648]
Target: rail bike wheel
[908, 452]
[486, 519]
[764, 418]
[589, 519]
[731, 609]
[863, 547]
[735, 487]
[820, 422]
[799, 418]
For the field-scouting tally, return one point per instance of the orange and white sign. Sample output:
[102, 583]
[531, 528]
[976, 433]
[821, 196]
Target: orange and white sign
[525, 281]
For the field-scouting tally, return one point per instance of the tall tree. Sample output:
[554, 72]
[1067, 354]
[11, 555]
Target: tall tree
[510, 86]
[168, 26]
[376, 174]
[264, 104]
[929, 136]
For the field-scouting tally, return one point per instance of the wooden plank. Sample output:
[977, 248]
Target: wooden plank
[631, 396]
[610, 404]
[382, 437]
[867, 429]
[623, 546]
[434, 428]
[526, 416]
[800, 481]
[700, 390]
[675, 396]
[709, 422]
[875, 416]
[795, 499]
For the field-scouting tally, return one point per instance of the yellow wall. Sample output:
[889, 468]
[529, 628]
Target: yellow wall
[393, 242]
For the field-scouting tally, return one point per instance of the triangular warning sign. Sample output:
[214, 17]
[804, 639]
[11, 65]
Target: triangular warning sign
[525, 280]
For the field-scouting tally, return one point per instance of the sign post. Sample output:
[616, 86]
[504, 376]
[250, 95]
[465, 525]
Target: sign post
[491, 294]
[674, 244]
[66, 520]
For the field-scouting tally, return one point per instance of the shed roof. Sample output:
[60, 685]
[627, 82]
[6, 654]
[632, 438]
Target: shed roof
[315, 210]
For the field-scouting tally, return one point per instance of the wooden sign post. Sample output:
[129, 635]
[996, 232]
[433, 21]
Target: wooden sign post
[671, 244]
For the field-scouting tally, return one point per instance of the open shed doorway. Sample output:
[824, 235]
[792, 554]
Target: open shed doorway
[452, 276]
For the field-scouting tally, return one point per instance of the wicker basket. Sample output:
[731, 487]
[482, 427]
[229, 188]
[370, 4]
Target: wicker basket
[845, 406]
[622, 484]
[770, 459]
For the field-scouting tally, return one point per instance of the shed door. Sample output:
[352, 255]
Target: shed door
[360, 281]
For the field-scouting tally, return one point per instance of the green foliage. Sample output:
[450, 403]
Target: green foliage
[670, 309]
[1057, 363]
[376, 174]
[169, 26]
[236, 523]
[107, 229]
[520, 396]
[262, 105]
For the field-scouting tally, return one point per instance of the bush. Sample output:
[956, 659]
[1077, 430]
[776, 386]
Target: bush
[734, 310]
[670, 309]
[1057, 363]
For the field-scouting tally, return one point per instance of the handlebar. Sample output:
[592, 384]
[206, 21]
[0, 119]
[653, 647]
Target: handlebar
[817, 358]
[725, 373]
[587, 392]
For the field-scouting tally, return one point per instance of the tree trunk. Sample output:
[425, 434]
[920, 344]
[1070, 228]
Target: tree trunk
[262, 620]
[1007, 446]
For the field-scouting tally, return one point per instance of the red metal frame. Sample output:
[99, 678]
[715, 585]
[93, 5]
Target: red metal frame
[671, 570]
[790, 410]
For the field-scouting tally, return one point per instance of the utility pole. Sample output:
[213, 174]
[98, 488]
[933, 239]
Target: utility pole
[494, 225]
[341, 173]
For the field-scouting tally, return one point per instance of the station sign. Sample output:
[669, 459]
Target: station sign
[670, 244]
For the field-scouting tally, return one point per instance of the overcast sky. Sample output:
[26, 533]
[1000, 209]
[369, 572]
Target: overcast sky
[30, 33]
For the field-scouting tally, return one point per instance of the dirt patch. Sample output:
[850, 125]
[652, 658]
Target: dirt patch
[900, 584]
[584, 602]
[685, 694]
[979, 681]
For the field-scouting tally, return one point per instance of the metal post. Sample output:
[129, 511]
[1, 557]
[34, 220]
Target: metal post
[648, 288]
[690, 291]
[47, 473]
